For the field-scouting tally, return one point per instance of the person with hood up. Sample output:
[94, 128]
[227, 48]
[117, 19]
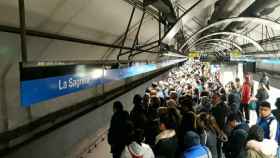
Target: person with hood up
[193, 148]
[136, 148]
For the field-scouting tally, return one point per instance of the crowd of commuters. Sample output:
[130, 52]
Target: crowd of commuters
[191, 114]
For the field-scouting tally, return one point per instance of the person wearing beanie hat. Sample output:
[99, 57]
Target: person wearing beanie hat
[193, 148]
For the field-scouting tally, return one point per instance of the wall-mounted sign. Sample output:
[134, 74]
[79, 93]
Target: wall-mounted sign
[235, 53]
[46, 82]
[194, 54]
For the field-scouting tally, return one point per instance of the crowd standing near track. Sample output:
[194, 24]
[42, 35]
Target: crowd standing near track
[191, 114]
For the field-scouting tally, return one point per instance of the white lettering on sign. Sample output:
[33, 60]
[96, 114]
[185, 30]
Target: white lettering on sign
[73, 83]
[62, 85]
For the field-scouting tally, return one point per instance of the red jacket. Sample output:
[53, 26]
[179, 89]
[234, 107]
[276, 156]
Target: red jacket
[245, 93]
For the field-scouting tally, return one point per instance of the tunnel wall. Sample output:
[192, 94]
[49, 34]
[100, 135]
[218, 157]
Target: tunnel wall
[269, 67]
[68, 140]
[228, 72]
[85, 19]
[12, 114]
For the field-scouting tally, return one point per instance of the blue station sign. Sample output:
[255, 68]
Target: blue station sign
[44, 83]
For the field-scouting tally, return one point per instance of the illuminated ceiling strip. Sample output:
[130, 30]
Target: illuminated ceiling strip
[256, 44]
[262, 21]
[223, 41]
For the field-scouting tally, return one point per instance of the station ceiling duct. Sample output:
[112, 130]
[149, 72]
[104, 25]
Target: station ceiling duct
[165, 7]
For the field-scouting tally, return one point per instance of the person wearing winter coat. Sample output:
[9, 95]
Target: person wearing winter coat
[208, 135]
[234, 99]
[250, 153]
[166, 141]
[259, 147]
[193, 148]
[238, 85]
[118, 131]
[267, 146]
[136, 148]
[261, 96]
[245, 98]
[138, 115]
[219, 110]
[236, 144]
[234, 121]
[205, 105]
[265, 80]
[276, 112]
[237, 134]
[267, 121]
[152, 129]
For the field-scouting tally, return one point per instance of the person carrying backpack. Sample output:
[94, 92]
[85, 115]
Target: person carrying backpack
[268, 122]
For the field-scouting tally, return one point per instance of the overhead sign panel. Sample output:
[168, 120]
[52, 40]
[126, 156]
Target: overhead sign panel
[235, 53]
[194, 54]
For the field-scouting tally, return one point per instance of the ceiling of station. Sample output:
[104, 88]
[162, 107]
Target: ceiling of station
[106, 22]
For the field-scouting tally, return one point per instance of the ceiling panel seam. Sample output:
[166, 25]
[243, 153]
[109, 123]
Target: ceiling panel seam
[42, 52]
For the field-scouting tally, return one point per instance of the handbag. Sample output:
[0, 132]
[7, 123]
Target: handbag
[252, 105]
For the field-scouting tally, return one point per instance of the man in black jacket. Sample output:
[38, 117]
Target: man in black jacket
[234, 99]
[236, 131]
[220, 112]
[138, 114]
[118, 132]
[265, 80]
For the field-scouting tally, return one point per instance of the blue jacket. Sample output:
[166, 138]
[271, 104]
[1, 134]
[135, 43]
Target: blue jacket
[266, 124]
[197, 151]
